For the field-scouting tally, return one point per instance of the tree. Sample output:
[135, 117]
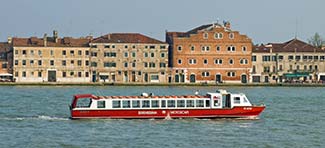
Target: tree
[316, 40]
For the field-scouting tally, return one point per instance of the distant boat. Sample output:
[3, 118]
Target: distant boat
[221, 104]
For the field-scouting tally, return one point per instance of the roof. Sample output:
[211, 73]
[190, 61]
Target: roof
[50, 42]
[194, 30]
[126, 38]
[4, 47]
[294, 45]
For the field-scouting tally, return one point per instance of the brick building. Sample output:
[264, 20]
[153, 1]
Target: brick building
[51, 59]
[128, 58]
[210, 53]
[290, 61]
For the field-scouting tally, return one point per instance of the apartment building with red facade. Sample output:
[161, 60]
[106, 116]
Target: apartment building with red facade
[211, 53]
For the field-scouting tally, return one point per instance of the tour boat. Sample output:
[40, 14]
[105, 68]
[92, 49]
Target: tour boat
[221, 104]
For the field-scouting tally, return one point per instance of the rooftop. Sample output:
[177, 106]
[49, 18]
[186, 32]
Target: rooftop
[126, 38]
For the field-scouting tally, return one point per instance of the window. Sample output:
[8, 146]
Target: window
[179, 61]
[171, 103]
[133, 64]
[231, 61]
[199, 103]
[126, 104]
[145, 54]
[218, 48]
[152, 47]
[152, 54]
[207, 103]
[231, 74]
[298, 67]
[93, 54]
[79, 62]
[39, 52]
[266, 58]
[24, 62]
[254, 58]
[64, 74]
[135, 103]
[87, 63]
[280, 57]
[145, 64]
[236, 100]
[79, 74]
[152, 65]
[87, 74]
[205, 74]
[51, 52]
[189, 103]
[322, 58]
[134, 54]
[154, 103]
[125, 64]
[71, 52]
[162, 65]
[180, 103]
[100, 104]
[109, 54]
[64, 52]
[79, 52]
[125, 46]
[218, 35]
[243, 61]
[218, 61]
[192, 61]
[205, 48]
[162, 47]
[16, 51]
[31, 62]
[116, 104]
[244, 49]
[179, 48]
[93, 64]
[163, 103]
[290, 57]
[298, 57]
[315, 58]
[205, 35]
[162, 55]
[87, 52]
[109, 64]
[40, 62]
[16, 62]
[280, 67]
[71, 73]
[113, 46]
[231, 36]
[126, 54]
[31, 52]
[192, 48]
[266, 69]
[231, 48]
[310, 57]
[106, 46]
[72, 62]
[154, 77]
[52, 62]
[39, 74]
[205, 61]
[145, 103]
[24, 74]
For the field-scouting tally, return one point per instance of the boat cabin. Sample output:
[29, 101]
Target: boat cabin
[217, 100]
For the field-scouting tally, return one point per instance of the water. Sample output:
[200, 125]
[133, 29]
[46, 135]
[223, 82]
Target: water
[38, 116]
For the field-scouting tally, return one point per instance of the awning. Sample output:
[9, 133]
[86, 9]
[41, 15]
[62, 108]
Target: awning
[5, 74]
[296, 75]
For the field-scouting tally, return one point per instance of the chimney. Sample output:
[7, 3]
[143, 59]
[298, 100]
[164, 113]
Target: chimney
[9, 40]
[45, 40]
[55, 36]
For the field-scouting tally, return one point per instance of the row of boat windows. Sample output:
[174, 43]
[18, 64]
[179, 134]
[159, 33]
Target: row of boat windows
[157, 103]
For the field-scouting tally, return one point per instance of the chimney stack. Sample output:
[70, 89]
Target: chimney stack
[55, 36]
[9, 40]
[45, 39]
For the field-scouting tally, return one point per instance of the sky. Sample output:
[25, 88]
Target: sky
[264, 21]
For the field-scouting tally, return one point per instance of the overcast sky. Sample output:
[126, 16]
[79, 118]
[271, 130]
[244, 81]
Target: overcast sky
[262, 20]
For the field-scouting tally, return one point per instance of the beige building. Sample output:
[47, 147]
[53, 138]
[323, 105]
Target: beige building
[292, 61]
[51, 59]
[128, 58]
[5, 61]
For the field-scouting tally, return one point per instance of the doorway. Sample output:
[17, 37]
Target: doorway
[192, 78]
[244, 78]
[51, 77]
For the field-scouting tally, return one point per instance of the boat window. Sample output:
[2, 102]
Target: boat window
[135, 103]
[237, 100]
[154, 103]
[116, 104]
[189, 103]
[216, 103]
[84, 103]
[199, 103]
[207, 103]
[180, 103]
[126, 104]
[163, 103]
[171, 103]
[100, 104]
[145, 103]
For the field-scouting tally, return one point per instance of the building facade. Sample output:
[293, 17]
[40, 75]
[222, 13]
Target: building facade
[292, 61]
[51, 59]
[210, 53]
[6, 61]
[128, 58]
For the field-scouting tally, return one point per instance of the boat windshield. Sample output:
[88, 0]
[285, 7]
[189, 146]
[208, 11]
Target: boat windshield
[84, 103]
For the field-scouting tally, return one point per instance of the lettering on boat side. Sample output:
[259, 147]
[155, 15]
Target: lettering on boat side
[247, 108]
[179, 112]
[147, 112]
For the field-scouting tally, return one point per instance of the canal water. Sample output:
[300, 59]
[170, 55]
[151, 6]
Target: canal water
[38, 116]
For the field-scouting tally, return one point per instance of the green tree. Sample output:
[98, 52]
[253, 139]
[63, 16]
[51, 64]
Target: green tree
[316, 40]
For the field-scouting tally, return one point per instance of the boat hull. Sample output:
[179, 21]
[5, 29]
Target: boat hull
[235, 112]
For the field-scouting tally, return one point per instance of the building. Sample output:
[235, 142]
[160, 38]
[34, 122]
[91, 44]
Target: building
[292, 61]
[128, 58]
[6, 61]
[211, 53]
[51, 59]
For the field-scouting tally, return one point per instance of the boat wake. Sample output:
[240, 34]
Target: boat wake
[40, 117]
